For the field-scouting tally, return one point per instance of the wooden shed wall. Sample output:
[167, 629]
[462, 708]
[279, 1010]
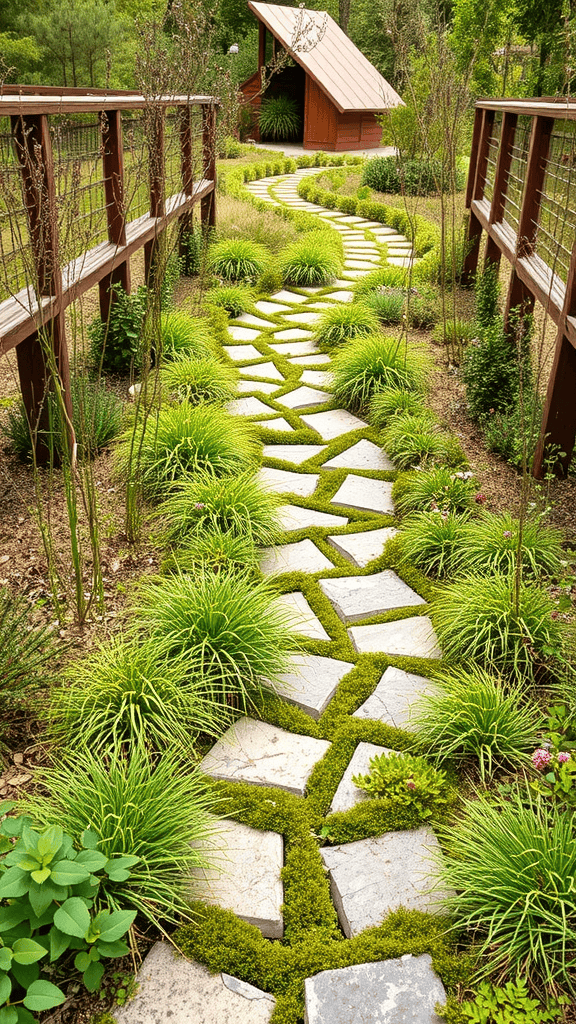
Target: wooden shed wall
[326, 128]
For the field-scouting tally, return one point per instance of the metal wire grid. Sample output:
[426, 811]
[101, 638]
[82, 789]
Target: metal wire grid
[15, 249]
[514, 184]
[493, 147]
[79, 180]
[136, 165]
[173, 154]
[556, 226]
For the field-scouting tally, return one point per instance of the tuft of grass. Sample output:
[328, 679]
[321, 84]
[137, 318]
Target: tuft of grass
[429, 539]
[341, 322]
[494, 542]
[194, 380]
[315, 259]
[384, 277]
[438, 488]
[237, 259]
[214, 550]
[424, 307]
[279, 118]
[234, 298]
[181, 332]
[387, 402]
[237, 505]
[412, 440]
[27, 653]
[369, 364]
[388, 304]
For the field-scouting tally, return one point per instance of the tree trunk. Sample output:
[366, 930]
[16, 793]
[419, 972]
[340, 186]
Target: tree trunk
[344, 14]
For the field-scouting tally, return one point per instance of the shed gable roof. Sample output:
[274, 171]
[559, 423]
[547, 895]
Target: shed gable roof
[335, 63]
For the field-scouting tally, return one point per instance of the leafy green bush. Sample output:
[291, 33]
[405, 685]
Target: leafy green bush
[341, 322]
[424, 307]
[316, 259]
[194, 380]
[480, 618]
[510, 1004]
[387, 303]
[155, 810]
[472, 714]
[386, 402]
[490, 372]
[234, 298]
[493, 543]
[237, 259]
[279, 118]
[214, 550]
[514, 433]
[437, 488]
[511, 865]
[382, 174]
[416, 177]
[405, 779]
[53, 897]
[368, 364]
[429, 539]
[191, 249]
[182, 333]
[487, 294]
[237, 505]
[115, 345]
[412, 440]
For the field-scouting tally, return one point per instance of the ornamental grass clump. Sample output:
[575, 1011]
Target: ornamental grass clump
[387, 402]
[238, 259]
[384, 277]
[181, 332]
[388, 304]
[27, 654]
[341, 322]
[496, 541]
[187, 378]
[437, 488]
[429, 539]
[369, 364]
[315, 259]
[214, 550]
[418, 440]
[472, 714]
[234, 298]
[279, 118]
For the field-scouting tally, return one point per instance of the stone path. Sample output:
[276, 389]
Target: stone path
[370, 877]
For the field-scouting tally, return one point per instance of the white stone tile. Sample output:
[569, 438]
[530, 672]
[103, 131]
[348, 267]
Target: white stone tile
[248, 386]
[249, 407]
[363, 493]
[306, 317]
[333, 423]
[287, 296]
[267, 370]
[310, 360]
[302, 556]
[395, 696]
[293, 517]
[290, 334]
[242, 353]
[296, 453]
[304, 398]
[410, 638]
[312, 682]
[353, 272]
[348, 795]
[282, 481]
[279, 423]
[351, 266]
[400, 261]
[362, 548]
[302, 619]
[297, 348]
[341, 296]
[270, 307]
[363, 455]
[360, 597]
[251, 320]
[321, 377]
[242, 333]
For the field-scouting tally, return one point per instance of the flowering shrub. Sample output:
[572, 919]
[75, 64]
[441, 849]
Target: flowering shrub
[406, 780]
[556, 775]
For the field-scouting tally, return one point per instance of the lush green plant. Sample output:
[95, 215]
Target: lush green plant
[438, 488]
[514, 433]
[412, 177]
[387, 303]
[52, 892]
[225, 626]
[430, 539]
[115, 344]
[237, 505]
[386, 402]
[341, 322]
[503, 627]
[237, 259]
[214, 550]
[180, 332]
[194, 380]
[496, 541]
[490, 372]
[510, 1004]
[191, 247]
[27, 653]
[383, 277]
[456, 334]
[170, 279]
[511, 866]
[279, 118]
[368, 364]
[472, 714]
[382, 173]
[314, 260]
[424, 307]
[487, 294]
[555, 776]
[412, 440]
[182, 439]
[153, 809]
[234, 298]
[405, 779]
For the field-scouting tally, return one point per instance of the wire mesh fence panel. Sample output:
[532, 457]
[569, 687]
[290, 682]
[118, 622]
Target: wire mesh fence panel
[516, 175]
[556, 227]
[136, 165]
[15, 248]
[77, 153]
[492, 156]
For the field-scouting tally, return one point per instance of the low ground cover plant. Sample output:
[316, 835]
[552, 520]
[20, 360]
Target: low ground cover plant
[418, 440]
[438, 488]
[341, 322]
[510, 1004]
[238, 259]
[368, 364]
[406, 779]
[238, 505]
[187, 378]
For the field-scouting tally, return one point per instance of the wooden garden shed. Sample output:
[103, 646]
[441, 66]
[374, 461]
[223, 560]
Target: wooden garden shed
[337, 88]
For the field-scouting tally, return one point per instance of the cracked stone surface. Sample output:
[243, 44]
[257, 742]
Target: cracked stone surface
[270, 307]
[363, 455]
[312, 682]
[262, 370]
[287, 296]
[242, 333]
[284, 482]
[412, 638]
[362, 492]
[361, 548]
[394, 697]
[359, 597]
[192, 994]
[244, 874]
[249, 407]
[241, 353]
[303, 398]
[402, 991]
[302, 619]
[264, 386]
[348, 795]
[264, 755]
[301, 556]
[277, 424]
[333, 423]
[293, 517]
[371, 877]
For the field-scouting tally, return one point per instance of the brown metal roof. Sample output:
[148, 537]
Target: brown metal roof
[335, 63]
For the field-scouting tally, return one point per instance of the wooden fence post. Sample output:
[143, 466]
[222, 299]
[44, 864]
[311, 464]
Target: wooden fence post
[113, 165]
[507, 135]
[156, 166]
[48, 344]
[208, 203]
[476, 182]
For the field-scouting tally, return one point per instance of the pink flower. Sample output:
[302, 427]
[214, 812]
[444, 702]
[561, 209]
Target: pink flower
[541, 758]
[410, 784]
[563, 757]
[480, 499]
[507, 534]
[199, 505]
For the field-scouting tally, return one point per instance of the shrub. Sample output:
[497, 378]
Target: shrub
[181, 332]
[387, 303]
[424, 308]
[237, 505]
[341, 322]
[279, 118]
[115, 344]
[226, 627]
[487, 294]
[490, 372]
[412, 440]
[407, 780]
[154, 810]
[386, 402]
[199, 380]
[492, 544]
[430, 539]
[438, 488]
[234, 298]
[314, 260]
[181, 439]
[473, 715]
[237, 259]
[214, 551]
[478, 618]
[238, 219]
[382, 174]
[441, 264]
[191, 250]
[511, 865]
[514, 433]
[368, 364]
[414, 177]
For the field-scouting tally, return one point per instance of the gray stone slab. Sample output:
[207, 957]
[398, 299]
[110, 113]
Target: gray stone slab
[287, 296]
[191, 994]
[321, 377]
[279, 423]
[361, 548]
[357, 273]
[306, 317]
[302, 618]
[241, 353]
[355, 265]
[395, 239]
[265, 387]
[348, 795]
[411, 638]
[312, 682]
[399, 251]
[301, 556]
[284, 482]
[242, 333]
[303, 398]
[249, 407]
[293, 517]
[250, 320]
[360, 597]
[364, 244]
[402, 991]
[364, 493]
[291, 334]
[394, 697]
[296, 453]
[363, 455]
[243, 875]
[401, 261]
[264, 755]
[310, 360]
[352, 219]
[333, 423]
[372, 877]
[262, 370]
[271, 307]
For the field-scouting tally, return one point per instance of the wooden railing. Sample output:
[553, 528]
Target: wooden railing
[32, 317]
[522, 192]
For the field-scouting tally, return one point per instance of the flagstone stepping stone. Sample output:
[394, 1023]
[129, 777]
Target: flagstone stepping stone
[291, 334]
[382, 230]
[287, 296]
[394, 697]
[248, 407]
[340, 296]
[359, 597]
[361, 548]
[333, 423]
[310, 360]
[245, 386]
[192, 993]
[295, 348]
[283, 481]
[243, 333]
[363, 243]
[293, 517]
[411, 638]
[402, 991]
[304, 398]
[255, 321]
[348, 795]
[399, 261]
[262, 370]
[312, 682]
[372, 877]
[352, 266]
[243, 875]
[352, 219]
[371, 224]
[363, 493]
[395, 239]
[301, 556]
[277, 424]
[270, 307]
[363, 455]
[296, 453]
[321, 377]
[353, 272]
[302, 318]
[263, 754]
[305, 622]
[313, 289]
[241, 353]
